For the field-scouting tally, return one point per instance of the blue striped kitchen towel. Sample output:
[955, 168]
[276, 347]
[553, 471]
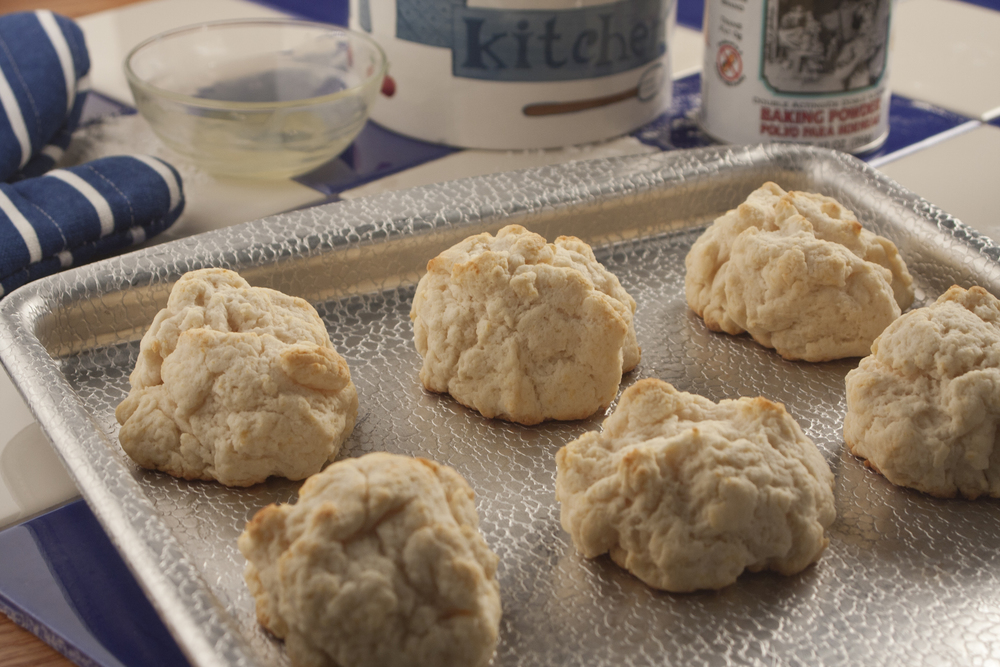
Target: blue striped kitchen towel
[72, 216]
[43, 69]
[51, 220]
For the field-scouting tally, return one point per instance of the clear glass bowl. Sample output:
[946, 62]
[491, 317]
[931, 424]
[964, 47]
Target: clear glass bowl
[262, 97]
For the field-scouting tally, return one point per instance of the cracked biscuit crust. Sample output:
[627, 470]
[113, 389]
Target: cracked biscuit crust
[799, 273]
[236, 383]
[924, 408]
[523, 330]
[380, 562]
[686, 494]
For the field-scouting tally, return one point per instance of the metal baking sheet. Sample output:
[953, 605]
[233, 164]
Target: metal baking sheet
[907, 579]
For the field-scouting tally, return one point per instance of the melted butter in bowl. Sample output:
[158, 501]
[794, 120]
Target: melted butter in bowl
[257, 98]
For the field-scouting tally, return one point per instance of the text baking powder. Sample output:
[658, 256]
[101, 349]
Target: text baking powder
[807, 71]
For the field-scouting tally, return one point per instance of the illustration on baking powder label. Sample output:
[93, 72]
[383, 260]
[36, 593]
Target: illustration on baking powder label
[826, 46]
[538, 45]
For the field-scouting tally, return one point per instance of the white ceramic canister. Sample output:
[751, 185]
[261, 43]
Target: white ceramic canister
[808, 71]
[516, 74]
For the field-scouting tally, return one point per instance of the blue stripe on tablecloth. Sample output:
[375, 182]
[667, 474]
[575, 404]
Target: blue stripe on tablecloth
[329, 11]
[64, 580]
[375, 153]
[987, 4]
[97, 107]
[691, 13]
[911, 122]
[678, 128]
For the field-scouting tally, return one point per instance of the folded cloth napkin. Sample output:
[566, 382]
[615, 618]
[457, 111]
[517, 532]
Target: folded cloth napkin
[50, 220]
[43, 67]
[71, 216]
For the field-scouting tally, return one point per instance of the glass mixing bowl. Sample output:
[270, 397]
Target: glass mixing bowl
[260, 98]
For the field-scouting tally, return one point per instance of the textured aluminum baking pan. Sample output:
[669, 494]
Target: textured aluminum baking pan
[907, 579]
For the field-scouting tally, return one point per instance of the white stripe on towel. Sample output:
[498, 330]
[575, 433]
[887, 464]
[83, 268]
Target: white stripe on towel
[65, 258]
[167, 176]
[137, 235]
[24, 227]
[95, 198]
[13, 110]
[58, 40]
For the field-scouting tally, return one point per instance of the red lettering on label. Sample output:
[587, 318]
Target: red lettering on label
[782, 123]
[857, 111]
[795, 116]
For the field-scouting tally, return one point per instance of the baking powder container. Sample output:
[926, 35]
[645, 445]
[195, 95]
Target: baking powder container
[511, 74]
[807, 71]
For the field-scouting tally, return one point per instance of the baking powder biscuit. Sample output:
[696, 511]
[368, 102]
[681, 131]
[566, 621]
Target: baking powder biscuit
[924, 408]
[236, 383]
[799, 273]
[380, 562]
[523, 330]
[686, 494]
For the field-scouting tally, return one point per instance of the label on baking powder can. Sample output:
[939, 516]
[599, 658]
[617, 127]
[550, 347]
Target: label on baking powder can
[807, 71]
